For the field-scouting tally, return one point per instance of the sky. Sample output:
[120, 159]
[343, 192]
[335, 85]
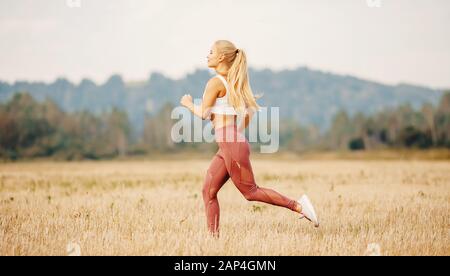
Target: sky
[397, 41]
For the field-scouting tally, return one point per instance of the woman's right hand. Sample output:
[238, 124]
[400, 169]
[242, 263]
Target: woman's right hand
[186, 100]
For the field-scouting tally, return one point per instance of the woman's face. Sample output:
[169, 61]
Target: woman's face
[213, 57]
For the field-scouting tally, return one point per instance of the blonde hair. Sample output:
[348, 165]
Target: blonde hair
[240, 93]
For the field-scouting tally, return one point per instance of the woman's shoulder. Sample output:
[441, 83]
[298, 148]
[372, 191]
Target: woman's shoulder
[216, 83]
[215, 79]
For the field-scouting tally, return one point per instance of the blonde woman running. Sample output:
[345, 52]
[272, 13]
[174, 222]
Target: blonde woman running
[227, 95]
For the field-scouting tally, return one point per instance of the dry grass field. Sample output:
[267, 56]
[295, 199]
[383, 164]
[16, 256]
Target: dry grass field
[155, 208]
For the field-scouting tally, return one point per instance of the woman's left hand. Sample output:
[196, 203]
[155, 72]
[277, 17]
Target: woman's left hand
[186, 100]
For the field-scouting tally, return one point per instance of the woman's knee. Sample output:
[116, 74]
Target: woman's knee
[251, 194]
[208, 191]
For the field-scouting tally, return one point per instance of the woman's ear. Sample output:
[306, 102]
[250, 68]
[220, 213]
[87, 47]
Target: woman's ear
[222, 57]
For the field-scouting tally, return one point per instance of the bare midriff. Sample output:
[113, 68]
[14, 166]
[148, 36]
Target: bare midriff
[222, 120]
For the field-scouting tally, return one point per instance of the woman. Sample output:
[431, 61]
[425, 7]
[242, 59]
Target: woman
[227, 95]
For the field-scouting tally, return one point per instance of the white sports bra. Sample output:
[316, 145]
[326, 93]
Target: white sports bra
[222, 106]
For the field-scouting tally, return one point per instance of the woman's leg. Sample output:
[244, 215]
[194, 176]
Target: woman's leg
[216, 176]
[237, 159]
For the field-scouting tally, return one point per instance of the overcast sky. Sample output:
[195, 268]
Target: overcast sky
[401, 41]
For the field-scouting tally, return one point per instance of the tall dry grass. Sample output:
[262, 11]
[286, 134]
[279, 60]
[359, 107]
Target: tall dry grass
[155, 208]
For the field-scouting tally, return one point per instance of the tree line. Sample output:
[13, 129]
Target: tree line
[29, 129]
[400, 127]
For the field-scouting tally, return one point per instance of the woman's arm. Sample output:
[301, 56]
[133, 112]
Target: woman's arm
[210, 94]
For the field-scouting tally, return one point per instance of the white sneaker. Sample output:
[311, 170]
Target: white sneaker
[308, 210]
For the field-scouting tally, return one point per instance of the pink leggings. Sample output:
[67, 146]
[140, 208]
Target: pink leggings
[232, 160]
